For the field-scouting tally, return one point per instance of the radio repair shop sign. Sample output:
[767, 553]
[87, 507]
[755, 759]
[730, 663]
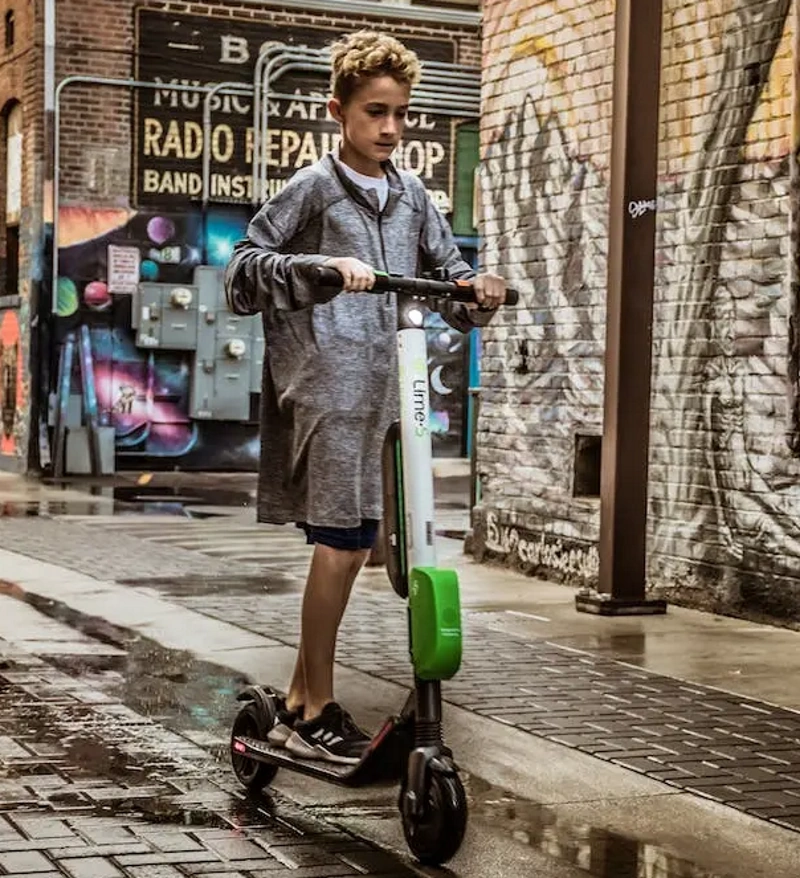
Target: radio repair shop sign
[199, 50]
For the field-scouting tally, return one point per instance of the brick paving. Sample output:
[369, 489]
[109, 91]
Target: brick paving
[722, 746]
[91, 789]
[77, 547]
[732, 749]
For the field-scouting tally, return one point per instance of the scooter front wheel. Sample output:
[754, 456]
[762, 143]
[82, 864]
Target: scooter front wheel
[435, 836]
[249, 723]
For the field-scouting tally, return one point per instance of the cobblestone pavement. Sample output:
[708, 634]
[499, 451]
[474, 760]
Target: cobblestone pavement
[732, 749]
[91, 789]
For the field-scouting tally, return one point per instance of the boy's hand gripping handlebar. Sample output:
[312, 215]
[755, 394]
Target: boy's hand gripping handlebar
[420, 287]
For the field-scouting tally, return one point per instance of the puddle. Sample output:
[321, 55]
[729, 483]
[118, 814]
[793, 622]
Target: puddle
[600, 852]
[77, 763]
[203, 501]
[271, 582]
[197, 699]
[52, 508]
[55, 508]
[170, 687]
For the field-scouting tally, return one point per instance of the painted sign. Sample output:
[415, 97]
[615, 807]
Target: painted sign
[201, 51]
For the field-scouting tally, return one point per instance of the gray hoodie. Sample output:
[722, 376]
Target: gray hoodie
[329, 389]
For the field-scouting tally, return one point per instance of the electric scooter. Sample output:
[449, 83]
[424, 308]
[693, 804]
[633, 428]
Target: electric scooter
[409, 747]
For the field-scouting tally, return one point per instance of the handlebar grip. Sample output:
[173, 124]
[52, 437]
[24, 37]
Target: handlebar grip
[457, 291]
[329, 277]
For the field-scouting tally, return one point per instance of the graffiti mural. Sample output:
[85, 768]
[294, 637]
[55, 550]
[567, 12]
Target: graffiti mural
[724, 485]
[144, 394]
[11, 383]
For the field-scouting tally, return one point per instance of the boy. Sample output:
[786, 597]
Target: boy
[329, 389]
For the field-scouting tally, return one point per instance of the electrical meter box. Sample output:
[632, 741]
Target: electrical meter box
[228, 350]
[165, 317]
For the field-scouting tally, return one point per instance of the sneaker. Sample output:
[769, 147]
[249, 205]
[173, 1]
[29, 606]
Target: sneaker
[285, 721]
[332, 736]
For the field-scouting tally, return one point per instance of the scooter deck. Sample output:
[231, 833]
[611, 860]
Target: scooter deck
[265, 752]
[384, 760]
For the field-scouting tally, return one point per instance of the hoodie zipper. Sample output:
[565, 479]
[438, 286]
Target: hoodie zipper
[388, 296]
[383, 245]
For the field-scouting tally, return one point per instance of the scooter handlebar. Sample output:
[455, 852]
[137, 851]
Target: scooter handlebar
[420, 287]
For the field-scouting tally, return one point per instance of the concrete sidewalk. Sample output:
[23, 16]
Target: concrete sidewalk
[623, 725]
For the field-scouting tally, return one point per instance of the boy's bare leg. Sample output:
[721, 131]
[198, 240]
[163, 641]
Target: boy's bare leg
[330, 581]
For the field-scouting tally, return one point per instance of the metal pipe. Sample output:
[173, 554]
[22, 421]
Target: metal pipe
[49, 86]
[264, 57]
[88, 80]
[448, 99]
[254, 159]
[238, 88]
[437, 14]
[38, 340]
[305, 60]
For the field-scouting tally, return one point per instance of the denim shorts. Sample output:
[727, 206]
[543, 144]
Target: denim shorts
[351, 539]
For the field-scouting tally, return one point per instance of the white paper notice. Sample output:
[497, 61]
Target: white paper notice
[123, 269]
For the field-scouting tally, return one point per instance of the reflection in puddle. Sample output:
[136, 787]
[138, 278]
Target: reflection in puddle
[167, 686]
[600, 852]
[193, 502]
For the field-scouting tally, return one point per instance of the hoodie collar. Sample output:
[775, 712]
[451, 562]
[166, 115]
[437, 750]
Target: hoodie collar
[368, 199]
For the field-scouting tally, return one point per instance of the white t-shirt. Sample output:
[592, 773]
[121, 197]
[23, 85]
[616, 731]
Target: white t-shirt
[379, 184]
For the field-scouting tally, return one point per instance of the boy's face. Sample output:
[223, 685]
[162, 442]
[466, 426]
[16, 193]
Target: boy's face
[372, 122]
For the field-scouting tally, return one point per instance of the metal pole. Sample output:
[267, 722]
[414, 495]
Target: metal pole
[631, 267]
[793, 388]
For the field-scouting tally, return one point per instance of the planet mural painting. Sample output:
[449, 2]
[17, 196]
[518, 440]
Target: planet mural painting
[66, 297]
[148, 270]
[97, 296]
[160, 229]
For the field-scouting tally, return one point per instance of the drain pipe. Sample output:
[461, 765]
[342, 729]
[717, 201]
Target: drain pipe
[39, 328]
[49, 104]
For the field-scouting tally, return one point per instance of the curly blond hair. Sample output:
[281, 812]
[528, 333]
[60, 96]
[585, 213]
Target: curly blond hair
[365, 54]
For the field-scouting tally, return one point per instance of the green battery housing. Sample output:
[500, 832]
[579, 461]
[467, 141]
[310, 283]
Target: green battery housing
[434, 607]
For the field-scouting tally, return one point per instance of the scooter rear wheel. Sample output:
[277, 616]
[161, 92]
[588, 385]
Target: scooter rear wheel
[249, 723]
[436, 835]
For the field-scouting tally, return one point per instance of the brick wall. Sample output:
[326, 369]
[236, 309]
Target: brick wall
[722, 480]
[20, 83]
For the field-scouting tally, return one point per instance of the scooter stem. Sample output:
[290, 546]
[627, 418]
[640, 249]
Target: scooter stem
[416, 446]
